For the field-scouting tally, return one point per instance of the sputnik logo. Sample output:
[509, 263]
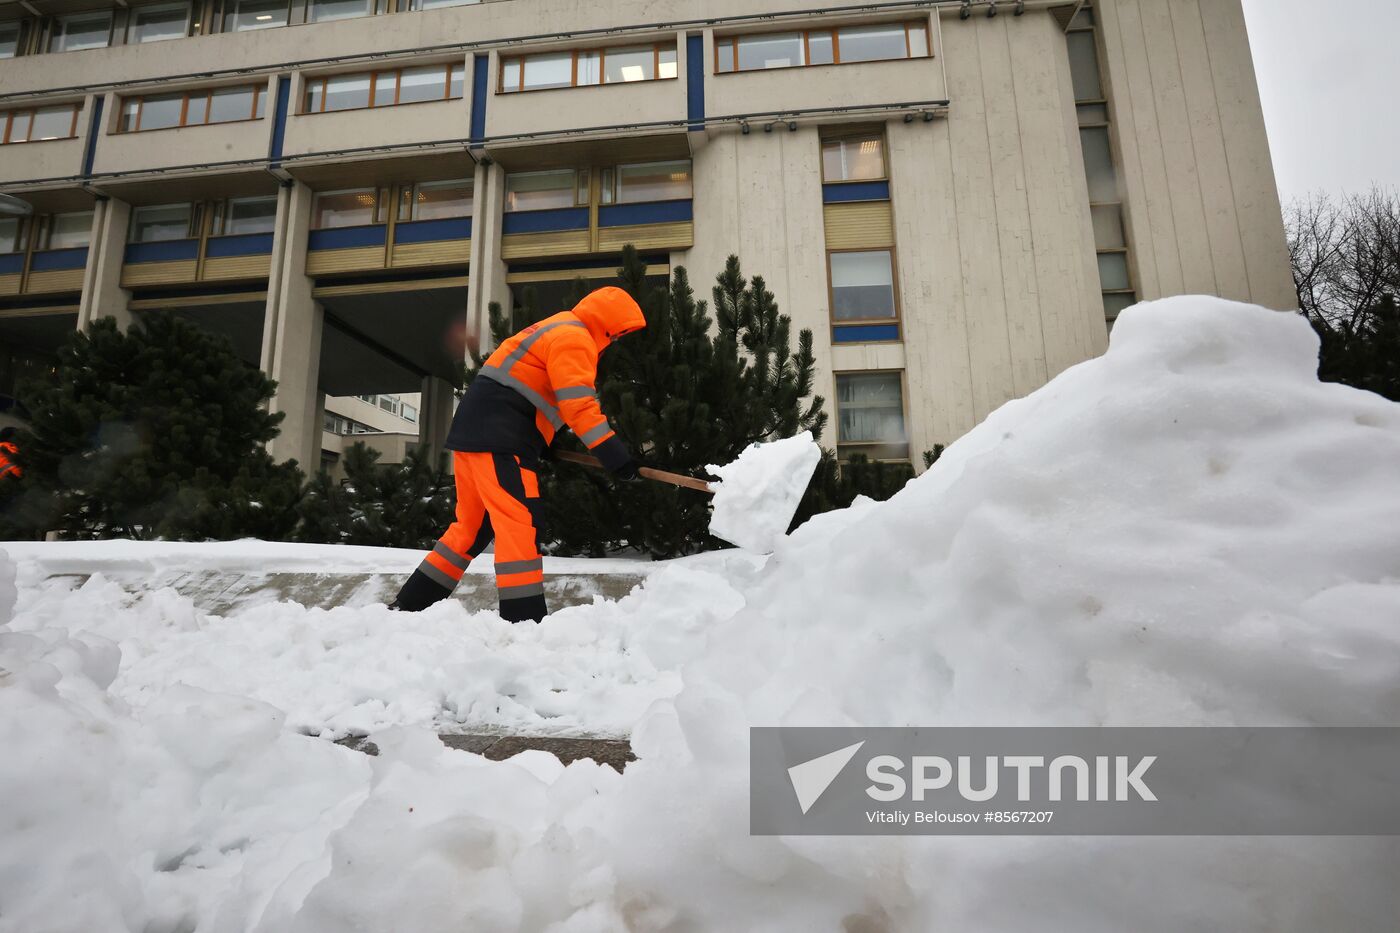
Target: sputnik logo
[811, 778]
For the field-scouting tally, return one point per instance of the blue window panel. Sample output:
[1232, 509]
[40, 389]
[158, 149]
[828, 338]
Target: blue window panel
[564, 218]
[94, 127]
[279, 126]
[656, 212]
[865, 333]
[429, 231]
[857, 191]
[344, 237]
[246, 244]
[11, 263]
[572, 265]
[478, 125]
[52, 260]
[695, 82]
[165, 251]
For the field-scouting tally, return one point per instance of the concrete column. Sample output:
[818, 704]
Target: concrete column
[102, 294]
[488, 269]
[436, 405]
[292, 334]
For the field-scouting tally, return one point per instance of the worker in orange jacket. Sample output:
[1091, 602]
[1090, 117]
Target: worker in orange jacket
[8, 449]
[535, 383]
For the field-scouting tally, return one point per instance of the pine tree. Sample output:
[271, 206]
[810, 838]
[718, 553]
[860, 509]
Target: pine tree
[1363, 351]
[156, 431]
[406, 504]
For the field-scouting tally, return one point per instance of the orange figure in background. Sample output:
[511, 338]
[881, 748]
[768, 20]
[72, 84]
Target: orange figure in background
[8, 449]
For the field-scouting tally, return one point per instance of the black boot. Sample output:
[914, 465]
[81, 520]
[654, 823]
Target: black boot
[418, 593]
[524, 609]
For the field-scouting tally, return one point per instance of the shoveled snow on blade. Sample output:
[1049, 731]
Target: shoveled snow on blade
[757, 495]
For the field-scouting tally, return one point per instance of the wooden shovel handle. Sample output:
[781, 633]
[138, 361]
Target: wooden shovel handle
[660, 476]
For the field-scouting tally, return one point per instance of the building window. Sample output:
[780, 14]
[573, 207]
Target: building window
[436, 200]
[11, 234]
[646, 181]
[356, 207]
[82, 31]
[10, 35]
[42, 123]
[580, 68]
[238, 216]
[161, 222]
[324, 11]
[856, 158]
[243, 15]
[870, 415]
[158, 22]
[1101, 173]
[537, 191]
[844, 45]
[383, 88]
[192, 108]
[438, 4]
[862, 285]
[339, 424]
[66, 231]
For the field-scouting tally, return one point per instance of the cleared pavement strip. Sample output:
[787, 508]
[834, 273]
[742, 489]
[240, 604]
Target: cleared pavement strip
[614, 752]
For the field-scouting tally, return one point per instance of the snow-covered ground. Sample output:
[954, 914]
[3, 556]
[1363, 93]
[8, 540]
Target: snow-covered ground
[259, 557]
[1189, 530]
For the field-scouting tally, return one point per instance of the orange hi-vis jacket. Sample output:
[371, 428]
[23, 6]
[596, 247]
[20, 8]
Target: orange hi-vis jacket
[542, 379]
[7, 464]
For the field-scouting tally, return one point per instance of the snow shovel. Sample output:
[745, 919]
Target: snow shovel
[660, 476]
[755, 497]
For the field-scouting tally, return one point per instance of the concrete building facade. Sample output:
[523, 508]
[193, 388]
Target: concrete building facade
[957, 198]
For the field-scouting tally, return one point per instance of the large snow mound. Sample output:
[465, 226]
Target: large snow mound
[1188, 530]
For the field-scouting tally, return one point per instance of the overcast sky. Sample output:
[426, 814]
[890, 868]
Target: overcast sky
[1329, 74]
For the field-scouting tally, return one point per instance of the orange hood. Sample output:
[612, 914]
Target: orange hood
[609, 313]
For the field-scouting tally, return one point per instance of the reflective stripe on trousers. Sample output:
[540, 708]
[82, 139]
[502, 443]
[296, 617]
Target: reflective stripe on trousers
[496, 498]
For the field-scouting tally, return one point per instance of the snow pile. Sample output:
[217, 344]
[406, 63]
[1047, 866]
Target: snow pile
[757, 494]
[1189, 530]
[352, 671]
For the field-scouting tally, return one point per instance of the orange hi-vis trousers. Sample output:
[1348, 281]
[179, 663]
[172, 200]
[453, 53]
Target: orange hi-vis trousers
[496, 497]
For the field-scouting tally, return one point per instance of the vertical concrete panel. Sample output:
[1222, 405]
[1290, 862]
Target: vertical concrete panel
[102, 294]
[804, 267]
[1062, 236]
[1090, 326]
[1135, 113]
[938, 374]
[1183, 180]
[977, 222]
[762, 233]
[1221, 225]
[295, 320]
[488, 269]
[715, 179]
[1130, 160]
[1018, 263]
[1254, 188]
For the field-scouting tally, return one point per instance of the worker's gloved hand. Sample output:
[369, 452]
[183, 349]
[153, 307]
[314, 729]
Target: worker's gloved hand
[627, 472]
[616, 459]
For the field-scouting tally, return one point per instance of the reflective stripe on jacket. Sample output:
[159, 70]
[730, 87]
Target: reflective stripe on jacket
[552, 367]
